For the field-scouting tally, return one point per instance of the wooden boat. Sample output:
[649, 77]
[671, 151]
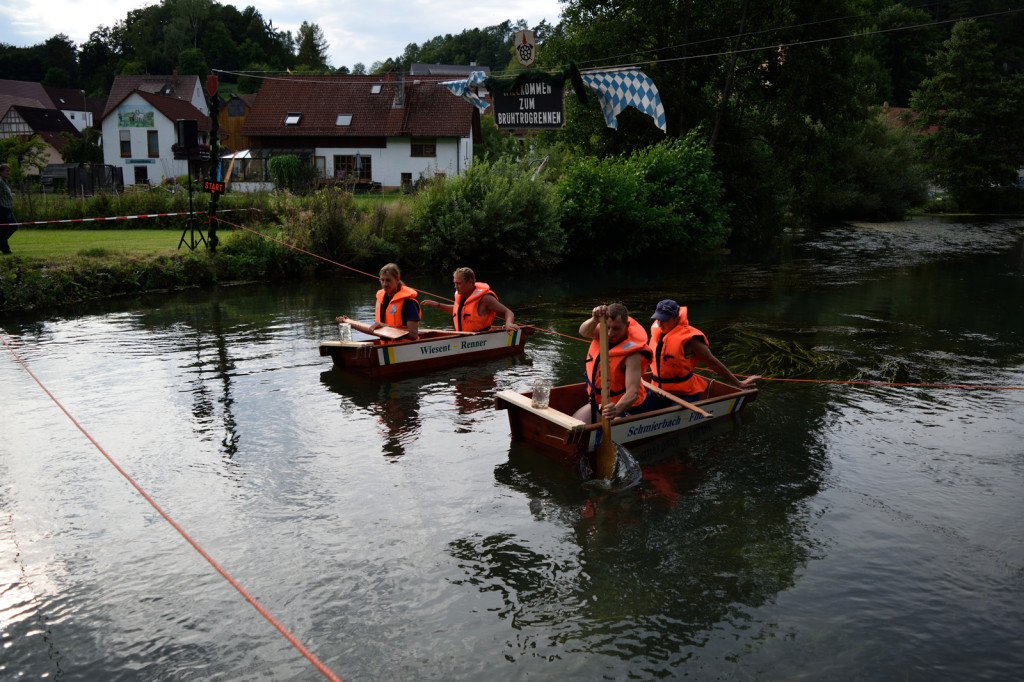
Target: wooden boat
[555, 432]
[435, 348]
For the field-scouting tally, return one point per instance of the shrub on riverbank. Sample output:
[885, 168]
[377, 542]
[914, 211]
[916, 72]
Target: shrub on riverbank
[663, 199]
[495, 216]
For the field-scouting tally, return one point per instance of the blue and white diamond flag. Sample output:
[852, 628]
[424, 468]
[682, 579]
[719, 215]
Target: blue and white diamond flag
[466, 91]
[617, 90]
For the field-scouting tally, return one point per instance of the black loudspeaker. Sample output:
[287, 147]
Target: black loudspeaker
[188, 132]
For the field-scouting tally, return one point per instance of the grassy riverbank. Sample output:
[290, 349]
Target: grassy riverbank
[53, 268]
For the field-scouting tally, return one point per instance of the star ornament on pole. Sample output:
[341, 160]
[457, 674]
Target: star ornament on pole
[524, 44]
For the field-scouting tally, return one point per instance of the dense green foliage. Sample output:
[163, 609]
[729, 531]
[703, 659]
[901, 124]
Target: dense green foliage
[289, 172]
[22, 154]
[978, 149]
[85, 148]
[495, 216]
[663, 199]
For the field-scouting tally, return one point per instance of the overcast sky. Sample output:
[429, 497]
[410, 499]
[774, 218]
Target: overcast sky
[365, 31]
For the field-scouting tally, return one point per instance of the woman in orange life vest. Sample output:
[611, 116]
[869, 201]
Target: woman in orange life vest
[678, 348]
[396, 304]
[628, 357]
[475, 305]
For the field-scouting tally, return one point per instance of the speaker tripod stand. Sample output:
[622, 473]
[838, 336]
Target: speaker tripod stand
[190, 224]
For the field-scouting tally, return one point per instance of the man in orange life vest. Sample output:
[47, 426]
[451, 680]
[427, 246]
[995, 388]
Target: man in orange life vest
[628, 357]
[678, 348]
[475, 305]
[396, 304]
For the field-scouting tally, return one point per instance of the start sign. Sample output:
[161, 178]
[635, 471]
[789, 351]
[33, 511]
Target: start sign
[213, 187]
[533, 105]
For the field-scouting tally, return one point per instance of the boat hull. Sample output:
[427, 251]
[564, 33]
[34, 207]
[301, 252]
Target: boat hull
[433, 350]
[556, 433]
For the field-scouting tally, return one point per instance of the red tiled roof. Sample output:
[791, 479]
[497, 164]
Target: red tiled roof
[429, 110]
[178, 87]
[47, 120]
[66, 98]
[25, 90]
[170, 107]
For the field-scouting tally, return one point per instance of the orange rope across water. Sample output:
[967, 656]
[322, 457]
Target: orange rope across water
[577, 338]
[241, 590]
[890, 383]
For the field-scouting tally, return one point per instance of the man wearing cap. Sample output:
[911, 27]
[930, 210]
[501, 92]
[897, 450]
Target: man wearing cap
[678, 348]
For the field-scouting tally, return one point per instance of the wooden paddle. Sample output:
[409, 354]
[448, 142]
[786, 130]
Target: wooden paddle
[605, 449]
[676, 399]
[384, 332]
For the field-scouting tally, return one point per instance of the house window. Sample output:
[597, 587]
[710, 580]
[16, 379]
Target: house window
[141, 175]
[375, 90]
[153, 143]
[345, 168]
[344, 120]
[407, 180]
[236, 108]
[424, 147]
[292, 119]
[126, 143]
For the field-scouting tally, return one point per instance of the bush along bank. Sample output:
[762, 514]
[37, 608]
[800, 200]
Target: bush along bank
[496, 216]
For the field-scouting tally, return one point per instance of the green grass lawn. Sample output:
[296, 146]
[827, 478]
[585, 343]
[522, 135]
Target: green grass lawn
[44, 244]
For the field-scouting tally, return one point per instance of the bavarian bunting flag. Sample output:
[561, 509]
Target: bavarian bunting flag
[462, 89]
[617, 90]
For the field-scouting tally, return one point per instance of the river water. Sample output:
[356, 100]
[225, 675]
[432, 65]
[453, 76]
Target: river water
[834, 531]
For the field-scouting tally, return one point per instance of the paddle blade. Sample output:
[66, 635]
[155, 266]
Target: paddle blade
[605, 456]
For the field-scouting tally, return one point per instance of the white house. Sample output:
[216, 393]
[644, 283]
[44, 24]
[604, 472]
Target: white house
[385, 129]
[139, 131]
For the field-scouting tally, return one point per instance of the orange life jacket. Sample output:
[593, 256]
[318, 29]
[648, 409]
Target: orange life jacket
[393, 315]
[465, 313]
[635, 342]
[673, 371]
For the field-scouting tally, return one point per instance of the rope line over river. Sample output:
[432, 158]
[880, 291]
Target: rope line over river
[577, 338]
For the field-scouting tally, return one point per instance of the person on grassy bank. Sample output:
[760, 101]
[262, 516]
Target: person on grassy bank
[8, 224]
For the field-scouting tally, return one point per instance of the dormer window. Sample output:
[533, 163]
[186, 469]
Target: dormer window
[292, 119]
[344, 120]
[375, 89]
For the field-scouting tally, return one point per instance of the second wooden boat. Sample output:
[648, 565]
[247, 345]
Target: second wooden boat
[432, 350]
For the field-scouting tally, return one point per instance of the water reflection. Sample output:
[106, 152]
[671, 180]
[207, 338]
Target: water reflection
[707, 537]
[393, 404]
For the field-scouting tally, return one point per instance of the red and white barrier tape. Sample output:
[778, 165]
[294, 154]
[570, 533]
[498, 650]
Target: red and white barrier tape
[125, 217]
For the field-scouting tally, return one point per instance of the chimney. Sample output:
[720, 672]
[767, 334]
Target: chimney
[399, 91]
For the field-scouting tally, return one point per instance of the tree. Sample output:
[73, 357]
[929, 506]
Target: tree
[359, 69]
[978, 146]
[192, 62]
[84, 149]
[312, 47]
[23, 153]
[57, 77]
